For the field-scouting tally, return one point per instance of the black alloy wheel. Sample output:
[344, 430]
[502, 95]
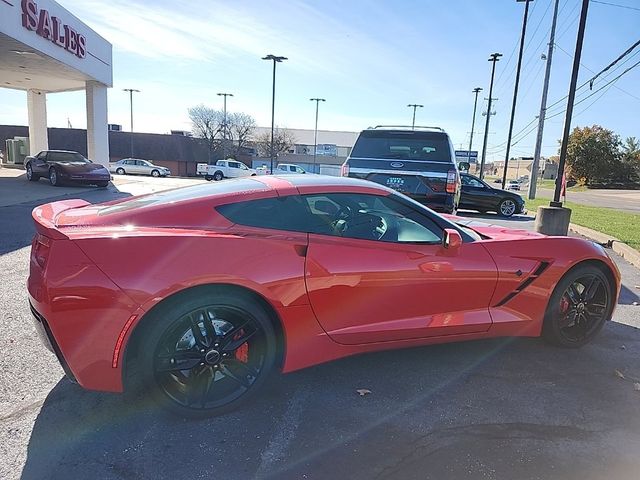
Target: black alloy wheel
[579, 307]
[211, 358]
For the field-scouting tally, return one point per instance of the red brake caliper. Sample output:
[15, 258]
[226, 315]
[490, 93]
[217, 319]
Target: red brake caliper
[564, 305]
[242, 352]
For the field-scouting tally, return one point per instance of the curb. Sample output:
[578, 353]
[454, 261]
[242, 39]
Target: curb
[631, 255]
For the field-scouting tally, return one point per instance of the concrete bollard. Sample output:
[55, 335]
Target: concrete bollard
[553, 220]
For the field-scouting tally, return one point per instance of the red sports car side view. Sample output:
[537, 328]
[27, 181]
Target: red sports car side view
[194, 295]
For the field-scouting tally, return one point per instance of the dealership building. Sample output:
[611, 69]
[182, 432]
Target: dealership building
[44, 49]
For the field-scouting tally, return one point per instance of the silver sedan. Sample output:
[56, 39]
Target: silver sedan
[138, 167]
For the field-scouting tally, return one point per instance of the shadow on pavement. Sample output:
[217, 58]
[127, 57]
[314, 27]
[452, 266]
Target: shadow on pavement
[627, 296]
[506, 408]
[16, 223]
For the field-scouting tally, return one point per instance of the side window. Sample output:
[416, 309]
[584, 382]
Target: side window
[369, 217]
[234, 164]
[471, 182]
[279, 213]
[42, 156]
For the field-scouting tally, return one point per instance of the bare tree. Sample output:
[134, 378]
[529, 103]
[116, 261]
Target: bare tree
[206, 123]
[240, 128]
[283, 140]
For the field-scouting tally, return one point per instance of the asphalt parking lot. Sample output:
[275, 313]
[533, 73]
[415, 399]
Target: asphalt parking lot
[499, 409]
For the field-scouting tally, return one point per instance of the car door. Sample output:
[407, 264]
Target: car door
[410, 286]
[476, 195]
[39, 164]
[144, 167]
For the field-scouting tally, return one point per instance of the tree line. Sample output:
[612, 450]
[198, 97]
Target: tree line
[597, 155]
[231, 138]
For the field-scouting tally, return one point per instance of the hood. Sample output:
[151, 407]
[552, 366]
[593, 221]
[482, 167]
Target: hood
[497, 232]
[73, 167]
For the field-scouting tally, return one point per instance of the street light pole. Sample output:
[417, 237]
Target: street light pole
[515, 90]
[276, 59]
[315, 133]
[473, 121]
[414, 105]
[224, 123]
[131, 90]
[495, 57]
[572, 95]
[533, 181]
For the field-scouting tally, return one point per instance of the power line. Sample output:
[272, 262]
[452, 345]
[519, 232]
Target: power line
[615, 5]
[627, 52]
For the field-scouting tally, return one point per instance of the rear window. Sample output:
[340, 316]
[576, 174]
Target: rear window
[278, 213]
[405, 145]
[168, 197]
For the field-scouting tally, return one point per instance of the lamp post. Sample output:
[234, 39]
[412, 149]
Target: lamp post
[275, 59]
[131, 90]
[315, 133]
[414, 106]
[224, 123]
[473, 120]
[515, 90]
[494, 57]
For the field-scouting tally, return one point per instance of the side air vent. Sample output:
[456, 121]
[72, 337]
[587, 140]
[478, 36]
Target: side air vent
[527, 281]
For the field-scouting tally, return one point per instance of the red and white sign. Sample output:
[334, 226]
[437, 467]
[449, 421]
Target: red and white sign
[53, 28]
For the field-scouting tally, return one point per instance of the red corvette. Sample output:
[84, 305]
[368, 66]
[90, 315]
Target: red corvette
[194, 295]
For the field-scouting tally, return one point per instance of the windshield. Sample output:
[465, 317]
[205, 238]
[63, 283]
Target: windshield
[407, 145]
[66, 157]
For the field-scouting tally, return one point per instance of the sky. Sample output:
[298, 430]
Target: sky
[368, 59]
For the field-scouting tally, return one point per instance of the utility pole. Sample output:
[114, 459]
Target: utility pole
[131, 90]
[495, 57]
[414, 105]
[315, 133]
[224, 123]
[533, 181]
[572, 95]
[515, 90]
[473, 121]
[276, 59]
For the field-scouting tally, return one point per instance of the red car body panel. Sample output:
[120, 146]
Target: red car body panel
[105, 266]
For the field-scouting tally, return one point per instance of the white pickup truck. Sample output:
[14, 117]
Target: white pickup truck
[224, 169]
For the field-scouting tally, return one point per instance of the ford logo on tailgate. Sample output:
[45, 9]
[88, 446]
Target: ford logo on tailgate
[397, 164]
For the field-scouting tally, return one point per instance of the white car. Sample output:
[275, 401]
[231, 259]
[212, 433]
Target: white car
[289, 168]
[513, 185]
[136, 166]
[228, 169]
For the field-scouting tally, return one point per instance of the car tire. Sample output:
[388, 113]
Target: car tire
[120, 171]
[218, 176]
[224, 371]
[208, 178]
[155, 173]
[578, 309]
[32, 177]
[507, 207]
[54, 179]
[103, 184]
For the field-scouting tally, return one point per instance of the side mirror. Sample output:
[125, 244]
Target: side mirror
[452, 240]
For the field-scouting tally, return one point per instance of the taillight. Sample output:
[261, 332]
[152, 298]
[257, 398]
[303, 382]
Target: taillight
[452, 180]
[40, 249]
[344, 171]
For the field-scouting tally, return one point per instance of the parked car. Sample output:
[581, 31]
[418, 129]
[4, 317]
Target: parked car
[135, 166]
[479, 195]
[228, 169]
[513, 185]
[64, 166]
[419, 162]
[301, 269]
[284, 168]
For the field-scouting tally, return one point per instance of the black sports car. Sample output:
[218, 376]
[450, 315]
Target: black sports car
[62, 166]
[478, 195]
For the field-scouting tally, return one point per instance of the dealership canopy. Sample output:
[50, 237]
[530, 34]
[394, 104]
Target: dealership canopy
[45, 49]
